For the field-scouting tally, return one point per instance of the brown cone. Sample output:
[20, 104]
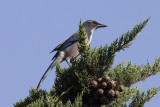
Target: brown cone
[94, 84]
[111, 93]
[117, 94]
[104, 84]
[100, 91]
[99, 80]
[106, 79]
[122, 88]
[111, 85]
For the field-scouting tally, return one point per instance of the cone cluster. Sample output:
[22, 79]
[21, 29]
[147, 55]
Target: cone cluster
[103, 90]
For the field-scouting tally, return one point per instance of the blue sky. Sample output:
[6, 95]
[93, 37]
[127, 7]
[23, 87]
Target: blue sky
[30, 29]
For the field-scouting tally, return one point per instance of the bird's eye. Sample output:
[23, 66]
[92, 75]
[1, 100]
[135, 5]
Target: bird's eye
[94, 22]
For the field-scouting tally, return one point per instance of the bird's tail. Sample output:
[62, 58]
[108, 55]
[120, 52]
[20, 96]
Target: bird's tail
[57, 59]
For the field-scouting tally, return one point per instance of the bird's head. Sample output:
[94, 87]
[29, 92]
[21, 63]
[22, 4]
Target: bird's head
[93, 25]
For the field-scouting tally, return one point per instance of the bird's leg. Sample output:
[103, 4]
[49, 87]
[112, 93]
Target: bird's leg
[68, 62]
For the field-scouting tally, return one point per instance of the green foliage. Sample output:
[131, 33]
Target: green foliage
[125, 96]
[36, 99]
[83, 47]
[140, 99]
[43, 99]
[131, 74]
[122, 43]
[72, 82]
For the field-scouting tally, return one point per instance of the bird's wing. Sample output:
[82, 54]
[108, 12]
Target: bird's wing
[67, 43]
[71, 40]
[57, 48]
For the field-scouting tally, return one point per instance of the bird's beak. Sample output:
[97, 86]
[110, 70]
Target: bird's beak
[101, 25]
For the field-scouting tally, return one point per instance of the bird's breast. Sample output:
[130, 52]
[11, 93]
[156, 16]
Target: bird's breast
[89, 38]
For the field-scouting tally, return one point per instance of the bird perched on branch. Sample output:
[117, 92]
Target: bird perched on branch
[69, 48]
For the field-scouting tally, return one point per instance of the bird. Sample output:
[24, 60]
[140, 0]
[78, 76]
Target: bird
[69, 48]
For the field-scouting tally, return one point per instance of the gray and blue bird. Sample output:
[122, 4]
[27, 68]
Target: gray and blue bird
[69, 48]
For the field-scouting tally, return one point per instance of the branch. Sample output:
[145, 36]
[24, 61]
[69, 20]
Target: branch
[130, 74]
[122, 43]
[140, 99]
